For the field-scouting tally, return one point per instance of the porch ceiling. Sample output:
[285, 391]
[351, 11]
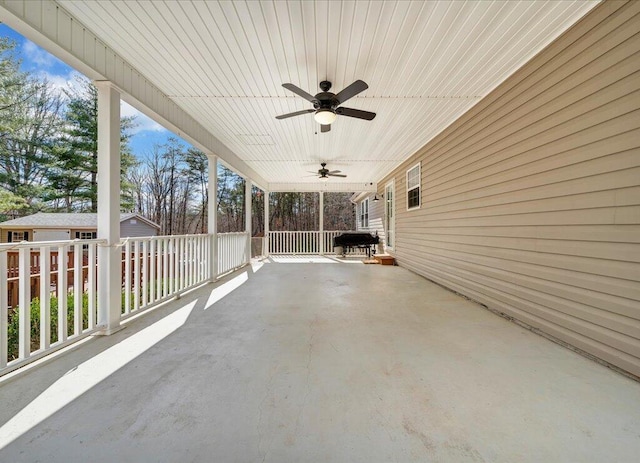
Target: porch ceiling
[426, 63]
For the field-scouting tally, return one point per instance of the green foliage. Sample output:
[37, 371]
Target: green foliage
[74, 178]
[30, 121]
[10, 77]
[10, 203]
[48, 141]
[13, 328]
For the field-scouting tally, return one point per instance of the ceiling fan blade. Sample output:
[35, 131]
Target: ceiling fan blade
[334, 172]
[335, 175]
[351, 91]
[355, 113]
[297, 113]
[298, 91]
[325, 128]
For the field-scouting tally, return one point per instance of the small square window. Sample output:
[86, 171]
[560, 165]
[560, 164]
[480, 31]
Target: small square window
[87, 235]
[18, 236]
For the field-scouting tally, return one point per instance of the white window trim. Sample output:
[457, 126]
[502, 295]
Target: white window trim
[419, 186]
[90, 237]
[393, 212]
[13, 235]
[364, 219]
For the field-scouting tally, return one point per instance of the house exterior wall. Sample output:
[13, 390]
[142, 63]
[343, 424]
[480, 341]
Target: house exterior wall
[376, 209]
[127, 229]
[135, 227]
[77, 232]
[530, 202]
[4, 238]
[4, 234]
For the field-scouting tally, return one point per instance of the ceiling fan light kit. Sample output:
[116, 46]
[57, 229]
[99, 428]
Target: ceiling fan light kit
[325, 116]
[327, 105]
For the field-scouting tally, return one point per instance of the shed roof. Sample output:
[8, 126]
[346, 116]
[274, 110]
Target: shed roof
[67, 220]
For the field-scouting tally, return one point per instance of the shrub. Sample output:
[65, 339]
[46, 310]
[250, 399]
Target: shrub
[14, 317]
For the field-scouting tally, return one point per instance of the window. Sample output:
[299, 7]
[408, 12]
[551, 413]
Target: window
[390, 222]
[413, 187]
[17, 236]
[364, 214]
[86, 235]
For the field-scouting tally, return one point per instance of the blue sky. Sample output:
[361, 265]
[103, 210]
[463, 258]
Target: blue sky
[39, 62]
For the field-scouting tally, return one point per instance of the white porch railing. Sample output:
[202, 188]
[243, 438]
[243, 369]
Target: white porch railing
[47, 298]
[157, 268]
[305, 242]
[233, 251]
[295, 242]
[48, 290]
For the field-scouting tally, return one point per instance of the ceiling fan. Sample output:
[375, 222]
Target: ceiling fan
[325, 173]
[327, 105]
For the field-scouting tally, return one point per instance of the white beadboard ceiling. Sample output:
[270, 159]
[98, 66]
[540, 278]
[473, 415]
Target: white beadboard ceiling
[426, 63]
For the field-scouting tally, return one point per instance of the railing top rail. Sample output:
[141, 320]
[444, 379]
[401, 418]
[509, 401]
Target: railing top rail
[38, 244]
[232, 233]
[311, 231]
[123, 240]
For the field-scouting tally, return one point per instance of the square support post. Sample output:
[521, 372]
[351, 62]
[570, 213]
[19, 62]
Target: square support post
[266, 224]
[321, 222]
[212, 216]
[247, 210]
[109, 255]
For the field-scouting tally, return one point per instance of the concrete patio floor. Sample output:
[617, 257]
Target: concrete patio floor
[320, 362]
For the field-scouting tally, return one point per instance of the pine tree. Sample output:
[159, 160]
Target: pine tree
[29, 129]
[76, 172]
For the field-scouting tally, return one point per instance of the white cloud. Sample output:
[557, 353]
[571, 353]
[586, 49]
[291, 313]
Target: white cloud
[37, 55]
[62, 78]
[142, 122]
[70, 81]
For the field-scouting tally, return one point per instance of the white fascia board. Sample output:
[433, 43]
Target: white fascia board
[324, 187]
[359, 196]
[53, 28]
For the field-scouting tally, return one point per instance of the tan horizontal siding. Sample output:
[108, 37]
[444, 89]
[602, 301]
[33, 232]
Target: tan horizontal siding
[613, 233]
[578, 339]
[619, 295]
[530, 202]
[623, 310]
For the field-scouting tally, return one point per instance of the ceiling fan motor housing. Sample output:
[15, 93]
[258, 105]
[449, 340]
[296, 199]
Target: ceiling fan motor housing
[325, 85]
[325, 101]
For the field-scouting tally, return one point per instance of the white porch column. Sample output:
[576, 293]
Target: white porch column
[247, 210]
[321, 222]
[266, 223]
[212, 216]
[109, 256]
